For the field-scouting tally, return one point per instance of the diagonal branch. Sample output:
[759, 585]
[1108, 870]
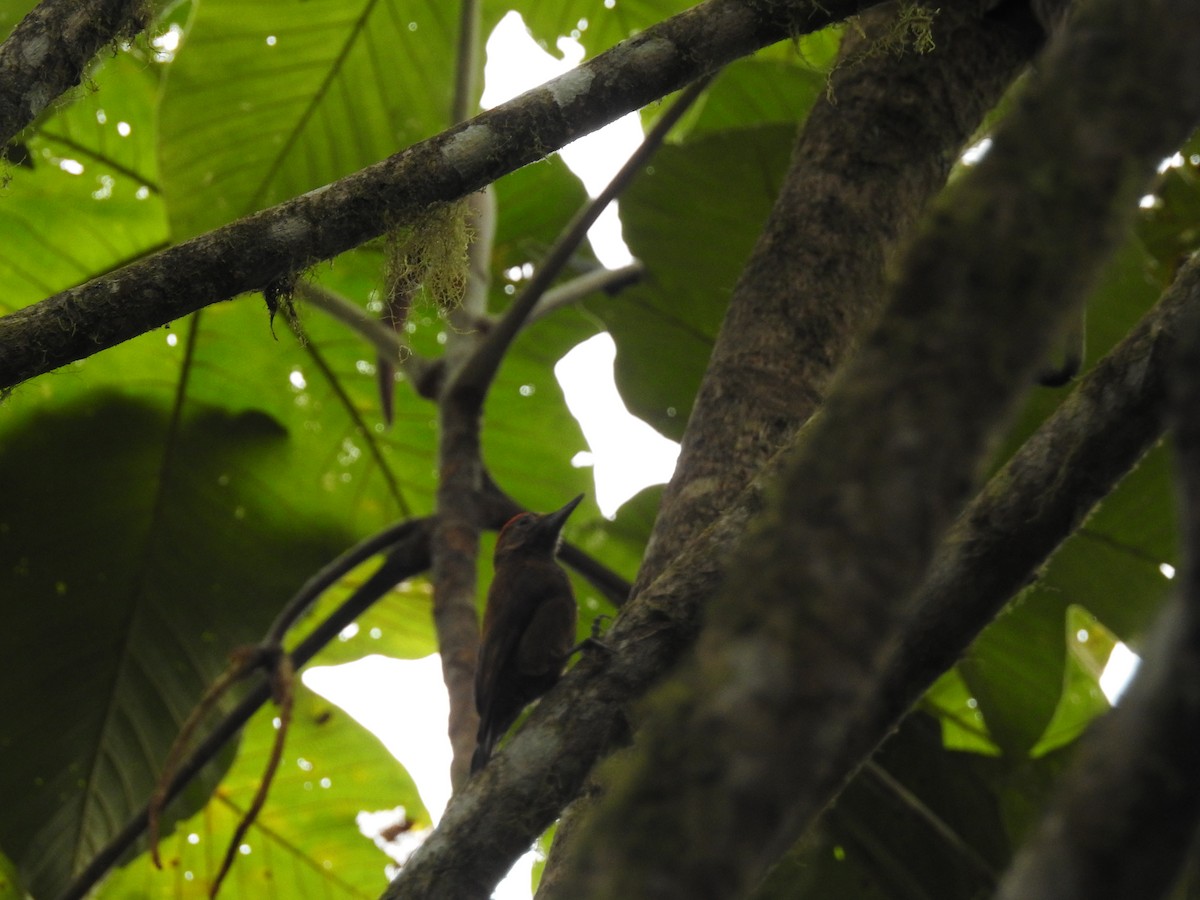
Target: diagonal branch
[407, 553]
[1035, 502]
[406, 548]
[1125, 819]
[47, 52]
[257, 250]
[472, 381]
[864, 167]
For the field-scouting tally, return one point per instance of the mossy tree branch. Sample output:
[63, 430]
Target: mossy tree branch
[871, 155]
[50, 48]
[262, 248]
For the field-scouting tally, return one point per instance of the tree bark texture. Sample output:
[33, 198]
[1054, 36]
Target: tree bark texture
[460, 489]
[47, 52]
[869, 158]
[1035, 502]
[736, 747]
[867, 161]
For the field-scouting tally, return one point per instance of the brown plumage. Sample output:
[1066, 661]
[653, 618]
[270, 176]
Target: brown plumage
[528, 628]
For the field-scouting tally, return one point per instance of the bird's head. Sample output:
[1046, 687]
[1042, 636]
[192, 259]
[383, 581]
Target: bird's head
[530, 533]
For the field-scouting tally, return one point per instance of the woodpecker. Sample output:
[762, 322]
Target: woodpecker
[528, 628]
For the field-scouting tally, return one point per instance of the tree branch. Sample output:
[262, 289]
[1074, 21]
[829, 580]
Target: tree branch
[611, 281]
[1008, 532]
[407, 548]
[460, 479]
[460, 465]
[1037, 500]
[472, 381]
[863, 169]
[460, 402]
[870, 156]
[750, 729]
[255, 251]
[1124, 820]
[49, 49]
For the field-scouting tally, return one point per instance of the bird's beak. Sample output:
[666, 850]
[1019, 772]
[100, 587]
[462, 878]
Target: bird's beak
[555, 520]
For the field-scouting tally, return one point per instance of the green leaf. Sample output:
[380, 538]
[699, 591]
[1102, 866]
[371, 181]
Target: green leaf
[754, 91]
[621, 542]
[269, 100]
[692, 217]
[305, 842]
[1089, 644]
[10, 885]
[90, 202]
[12, 12]
[1170, 227]
[543, 853]
[917, 822]
[534, 205]
[963, 727]
[1110, 568]
[140, 552]
[400, 624]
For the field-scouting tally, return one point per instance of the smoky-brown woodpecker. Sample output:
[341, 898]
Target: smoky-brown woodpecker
[528, 628]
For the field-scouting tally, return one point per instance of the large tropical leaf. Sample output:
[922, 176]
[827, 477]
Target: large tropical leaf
[141, 551]
[692, 218]
[272, 99]
[305, 842]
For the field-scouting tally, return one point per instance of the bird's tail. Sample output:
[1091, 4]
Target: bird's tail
[484, 744]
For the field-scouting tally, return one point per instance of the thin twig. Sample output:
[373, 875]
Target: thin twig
[421, 372]
[355, 318]
[407, 546]
[480, 369]
[232, 674]
[329, 575]
[467, 59]
[569, 293]
[918, 807]
[283, 685]
[253, 251]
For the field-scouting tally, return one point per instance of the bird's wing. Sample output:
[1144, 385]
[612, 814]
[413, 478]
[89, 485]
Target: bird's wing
[547, 637]
[503, 628]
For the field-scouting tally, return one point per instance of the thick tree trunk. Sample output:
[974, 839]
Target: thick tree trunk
[737, 747]
[869, 158]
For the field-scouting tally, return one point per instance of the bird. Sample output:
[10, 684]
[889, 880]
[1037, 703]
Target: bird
[528, 626]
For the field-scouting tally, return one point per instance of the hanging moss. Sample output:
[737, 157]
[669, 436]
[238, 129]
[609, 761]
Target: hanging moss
[428, 255]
